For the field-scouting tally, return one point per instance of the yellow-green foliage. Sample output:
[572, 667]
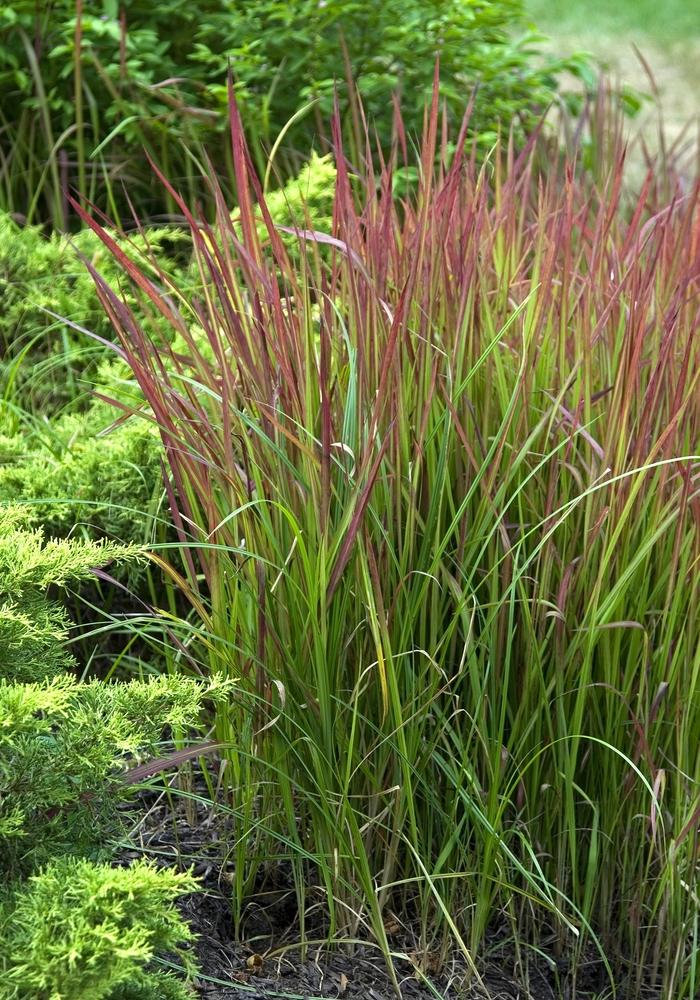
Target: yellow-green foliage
[306, 201]
[64, 745]
[85, 470]
[33, 629]
[46, 360]
[70, 928]
[29, 560]
[76, 468]
[31, 639]
[82, 931]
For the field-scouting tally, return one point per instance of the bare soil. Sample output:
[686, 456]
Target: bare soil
[264, 961]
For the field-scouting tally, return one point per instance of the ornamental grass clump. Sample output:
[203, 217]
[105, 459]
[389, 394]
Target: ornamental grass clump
[438, 505]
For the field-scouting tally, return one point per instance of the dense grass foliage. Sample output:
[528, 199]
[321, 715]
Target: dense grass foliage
[435, 478]
[86, 87]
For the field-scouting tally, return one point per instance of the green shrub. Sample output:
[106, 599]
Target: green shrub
[79, 929]
[71, 926]
[114, 88]
[31, 638]
[29, 562]
[305, 202]
[149, 987]
[63, 747]
[74, 476]
[33, 628]
[46, 363]
[306, 198]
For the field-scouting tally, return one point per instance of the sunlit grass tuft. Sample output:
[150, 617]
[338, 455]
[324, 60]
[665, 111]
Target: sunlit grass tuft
[436, 485]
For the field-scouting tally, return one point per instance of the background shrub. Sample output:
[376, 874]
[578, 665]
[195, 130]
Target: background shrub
[77, 79]
[33, 628]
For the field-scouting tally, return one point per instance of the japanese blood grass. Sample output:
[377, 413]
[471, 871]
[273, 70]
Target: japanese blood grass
[438, 501]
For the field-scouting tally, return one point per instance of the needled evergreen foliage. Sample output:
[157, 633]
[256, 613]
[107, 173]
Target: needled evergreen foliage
[64, 748]
[308, 195]
[81, 930]
[33, 628]
[45, 287]
[86, 470]
[72, 926]
[306, 200]
[76, 469]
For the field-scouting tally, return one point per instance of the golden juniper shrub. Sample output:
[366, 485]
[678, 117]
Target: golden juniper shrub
[64, 746]
[31, 562]
[33, 629]
[80, 930]
[45, 287]
[86, 470]
[305, 202]
[71, 925]
[31, 639]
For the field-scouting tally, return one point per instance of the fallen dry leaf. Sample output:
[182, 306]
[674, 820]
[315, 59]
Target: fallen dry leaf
[254, 963]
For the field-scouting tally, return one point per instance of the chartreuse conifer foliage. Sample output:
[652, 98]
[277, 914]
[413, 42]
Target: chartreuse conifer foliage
[86, 471]
[49, 301]
[63, 745]
[76, 468]
[33, 628]
[80, 929]
[71, 925]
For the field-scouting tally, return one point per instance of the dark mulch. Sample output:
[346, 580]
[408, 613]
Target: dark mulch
[265, 961]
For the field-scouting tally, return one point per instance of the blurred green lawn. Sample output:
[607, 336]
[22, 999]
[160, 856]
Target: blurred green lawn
[662, 20]
[665, 32]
